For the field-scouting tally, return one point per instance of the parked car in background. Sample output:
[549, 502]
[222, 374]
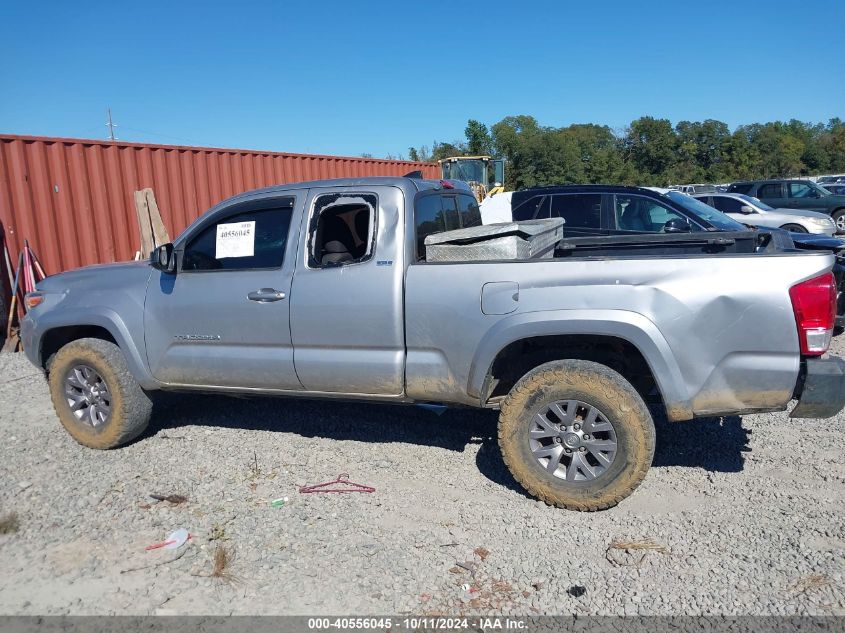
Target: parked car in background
[691, 189]
[618, 209]
[837, 189]
[795, 194]
[826, 180]
[748, 210]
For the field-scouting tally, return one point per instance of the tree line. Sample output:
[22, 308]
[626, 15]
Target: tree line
[649, 151]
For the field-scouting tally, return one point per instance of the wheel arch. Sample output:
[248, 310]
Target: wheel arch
[54, 332]
[622, 340]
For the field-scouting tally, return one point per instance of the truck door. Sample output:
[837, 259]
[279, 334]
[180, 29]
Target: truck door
[223, 318]
[347, 299]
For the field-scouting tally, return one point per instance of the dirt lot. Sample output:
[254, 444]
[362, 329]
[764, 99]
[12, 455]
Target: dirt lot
[737, 516]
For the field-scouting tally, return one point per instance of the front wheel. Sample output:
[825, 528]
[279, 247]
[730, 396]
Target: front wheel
[794, 228]
[576, 435]
[97, 399]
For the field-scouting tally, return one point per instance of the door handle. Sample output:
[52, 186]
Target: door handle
[266, 295]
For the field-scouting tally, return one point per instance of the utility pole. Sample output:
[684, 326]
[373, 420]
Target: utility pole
[111, 127]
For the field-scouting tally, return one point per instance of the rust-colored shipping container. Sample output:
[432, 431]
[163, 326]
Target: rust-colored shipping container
[73, 198]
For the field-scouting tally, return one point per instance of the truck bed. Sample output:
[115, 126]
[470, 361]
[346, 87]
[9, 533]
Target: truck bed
[716, 327]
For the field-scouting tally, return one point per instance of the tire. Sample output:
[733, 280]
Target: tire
[129, 408]
[794, 228]
[839, 217]
[591, 385]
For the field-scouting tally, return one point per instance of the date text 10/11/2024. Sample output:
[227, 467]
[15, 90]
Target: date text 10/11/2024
[418, 623]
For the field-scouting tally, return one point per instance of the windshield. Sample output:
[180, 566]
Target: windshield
[704, 211]
[821, 190]
[466, 170]
[756, 202]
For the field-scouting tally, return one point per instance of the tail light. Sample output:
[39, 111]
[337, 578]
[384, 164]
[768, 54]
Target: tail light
[814, 305]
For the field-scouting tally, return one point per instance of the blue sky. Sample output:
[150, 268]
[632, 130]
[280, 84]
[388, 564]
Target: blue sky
[352, 77]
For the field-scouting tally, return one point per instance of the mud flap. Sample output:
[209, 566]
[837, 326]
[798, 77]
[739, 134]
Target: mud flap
[823, 395]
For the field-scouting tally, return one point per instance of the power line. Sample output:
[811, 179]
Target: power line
[177, 138]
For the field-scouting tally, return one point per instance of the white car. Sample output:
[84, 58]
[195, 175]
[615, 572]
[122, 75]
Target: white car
[749, 210]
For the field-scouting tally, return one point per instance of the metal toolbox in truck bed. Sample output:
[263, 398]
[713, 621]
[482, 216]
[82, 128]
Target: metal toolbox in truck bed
[531, 239]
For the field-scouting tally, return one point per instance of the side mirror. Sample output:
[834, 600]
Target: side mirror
[746, 209]
[163, 258]
[677, 225]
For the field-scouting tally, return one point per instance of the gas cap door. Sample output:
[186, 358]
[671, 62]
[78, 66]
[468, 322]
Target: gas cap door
[499, 297]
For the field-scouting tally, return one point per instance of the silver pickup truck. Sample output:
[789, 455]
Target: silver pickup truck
[322, 289]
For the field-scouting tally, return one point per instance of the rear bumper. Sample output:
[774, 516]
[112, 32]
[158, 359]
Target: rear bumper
[823, 390]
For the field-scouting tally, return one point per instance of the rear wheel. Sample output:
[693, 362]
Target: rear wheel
[576, 435]
[794, 228]
[839, 217]
[97, 399]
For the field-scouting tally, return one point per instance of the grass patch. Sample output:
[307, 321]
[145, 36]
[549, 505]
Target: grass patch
[222, 560]
[810, 583]
[9, 523]
[646, 545]
[626, 553]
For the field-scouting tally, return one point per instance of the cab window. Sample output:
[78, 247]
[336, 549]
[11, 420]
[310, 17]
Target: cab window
[251, 239]
[342, 229]
[436, 213]
[469, 211]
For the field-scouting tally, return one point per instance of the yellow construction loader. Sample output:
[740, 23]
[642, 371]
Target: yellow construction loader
[484, 174]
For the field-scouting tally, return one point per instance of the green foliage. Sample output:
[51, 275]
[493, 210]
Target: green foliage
[479, 141]
[650, 151]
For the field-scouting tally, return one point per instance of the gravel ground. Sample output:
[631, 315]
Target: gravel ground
[744, 516]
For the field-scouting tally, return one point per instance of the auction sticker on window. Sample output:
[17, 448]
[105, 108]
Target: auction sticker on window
[235, 240]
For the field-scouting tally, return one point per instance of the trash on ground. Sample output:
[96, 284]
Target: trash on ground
[481, 552]
[174, 499]
[576, 591]
[343, 485]
[176, 540]
[469, 566]
[278, 503]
